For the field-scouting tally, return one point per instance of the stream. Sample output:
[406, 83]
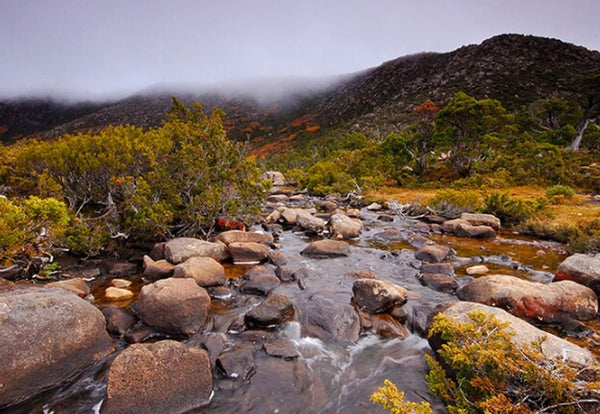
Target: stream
[329, 375]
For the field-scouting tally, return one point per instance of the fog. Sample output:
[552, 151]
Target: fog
[83, 49]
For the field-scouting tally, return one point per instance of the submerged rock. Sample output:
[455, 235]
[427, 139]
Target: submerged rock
[377, 296]
[174, 306]
[162, 377]
[329, 319]
[582, 269]
[118, 321]
[523, 333]
[116, 294]
[544, 302]
[48, 336]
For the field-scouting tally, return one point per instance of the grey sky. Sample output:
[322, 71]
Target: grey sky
[86, 48]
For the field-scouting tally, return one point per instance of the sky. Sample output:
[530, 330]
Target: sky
[88, 49]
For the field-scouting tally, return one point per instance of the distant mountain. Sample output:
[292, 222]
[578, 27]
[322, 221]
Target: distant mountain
[515, 69]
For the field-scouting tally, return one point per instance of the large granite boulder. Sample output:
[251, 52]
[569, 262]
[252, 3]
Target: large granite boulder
[482, 220]
[343, 227]
[543, 302]
[161, 377]
[523, 333]
[180, 249]
[582, 269]
[377, 296]
[307, 221]
[206, 271]
[47, 336]
[174, 306]
[462, 228]
[329, 319]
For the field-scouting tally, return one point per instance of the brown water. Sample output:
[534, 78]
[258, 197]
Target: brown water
[329, 376]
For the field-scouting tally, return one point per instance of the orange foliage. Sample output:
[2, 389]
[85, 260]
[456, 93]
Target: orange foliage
[427, 108]
[302, 120]
[312, 128]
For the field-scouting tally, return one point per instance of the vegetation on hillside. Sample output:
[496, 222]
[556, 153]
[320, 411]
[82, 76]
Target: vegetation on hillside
[129, 183]
[481, 370]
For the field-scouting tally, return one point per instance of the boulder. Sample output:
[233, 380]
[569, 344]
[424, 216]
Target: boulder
[237, 236]
[329, 319]
[282, 348]
[277, 258]
[275, 309]
[206, 271]
[477, 270]
[307, 221]
[285, 274]
[116, 294]
[353, 212]
[343, 227]
[377, 296]
[158, 252]
[523, 333]
[322, 249]
[174, 306]
[262, 284]
[248, 253]
[388, 327]
[433, 253]
[276, 177]
[482, 220]
[48, 336]
[159, 269]
[582, 269]
[180, 249]
[544, 302]
[236, 362]
[289, 215]
[462, 228]
[161, 377]
[328, 206]
[443, 268]
[118, 321]
[439, 282]
[76, 285]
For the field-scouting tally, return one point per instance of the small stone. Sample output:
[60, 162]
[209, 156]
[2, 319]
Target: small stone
[261, 285]
[326, 248]
[118, 321]
[439, 282]
[362, 274]
[432, 253]
[374, 207]
[116, 294]
[274, 310]
[236, 362]
[477, 270]
[120, 283]
[388, 327]
[285, 274]
[283, 348]
[277, 258]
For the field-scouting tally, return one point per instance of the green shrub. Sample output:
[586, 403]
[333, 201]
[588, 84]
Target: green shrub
[490, 374]
[557, 193]
[452, 203]
[511, 211]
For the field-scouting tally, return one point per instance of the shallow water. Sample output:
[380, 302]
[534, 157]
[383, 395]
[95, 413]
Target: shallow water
[328, 376]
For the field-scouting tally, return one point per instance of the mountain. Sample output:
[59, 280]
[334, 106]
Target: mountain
[515, 69]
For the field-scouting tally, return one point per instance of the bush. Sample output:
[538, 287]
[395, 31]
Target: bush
[393, 401]
[557, 193]
[511, 211]
[490, 374]
[452, 203]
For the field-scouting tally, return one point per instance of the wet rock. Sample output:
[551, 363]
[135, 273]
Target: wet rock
[433, 253]
[237, 236]
[276, 177]
[377, 296]
[443, 268]
[391, 234]
[159, 269]
[582, 269]
[322, 249]
[118, 321]
[237, 362]
[552, 347]
[219, 292]
[260, 285]
[89, 274]
[343, 227]
[116, 294]
[544, 302]
[399, 313]
[165, 376]
[121, 268]
[206, 271]
[353, 213]
[282, 348]
[137, 335]
[181, 249]
[307, 221]
[386, 218]
[388, 327]
[275, 309]
[374, 207]
[120, 283]
[422, 227]
[76, 285]
[256, 271]
[158, 252]
[48, 335]
[329, 319]
[361, 274]
[418, 241]
[439, 282]
[305, 273]
[214, 343]
[482, 220]
[277, 258]
[477, 270]
[248, 252]
[285, 274]
[174, 306]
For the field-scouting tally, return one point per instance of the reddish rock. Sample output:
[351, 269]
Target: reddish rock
[237, 362]
[159, 269]
[388, 327]
[275, 309]
[118, 321]
[322, 249]
[377, 296]
[260, 285]
[282, 348]
[248, 252]
[236, 236]
[439, 282]
[433, 253]
[206, 271]
[161, 377]
[76, 285]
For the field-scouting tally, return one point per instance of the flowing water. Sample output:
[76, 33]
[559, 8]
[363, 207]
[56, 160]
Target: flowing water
[329, 376]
